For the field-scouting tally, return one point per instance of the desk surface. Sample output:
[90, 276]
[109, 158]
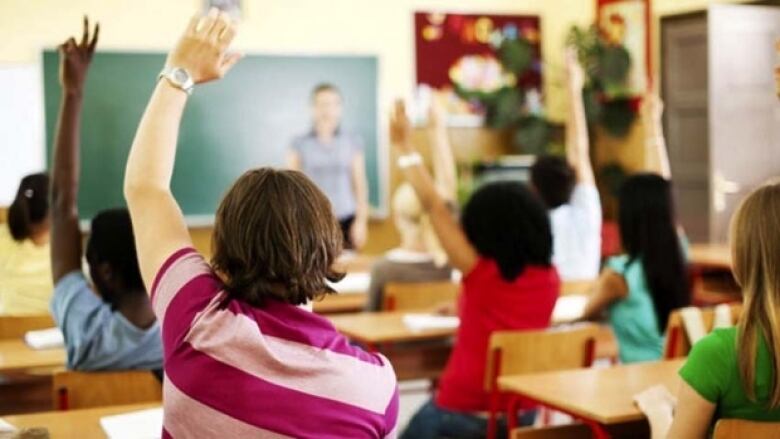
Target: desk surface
[383, 327]
[73, 424]
[711, 255]
[601, 395]
[15, 355]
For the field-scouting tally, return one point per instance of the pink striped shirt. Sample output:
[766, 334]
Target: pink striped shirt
[234, 370]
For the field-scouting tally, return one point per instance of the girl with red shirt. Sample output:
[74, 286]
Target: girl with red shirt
[503, 246]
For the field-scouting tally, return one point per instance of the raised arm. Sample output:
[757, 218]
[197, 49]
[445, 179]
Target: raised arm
[66, 236]
[444, 173]
[359, 230]
[460, 253]
[656, 154]
[577, 141]
[158, 222]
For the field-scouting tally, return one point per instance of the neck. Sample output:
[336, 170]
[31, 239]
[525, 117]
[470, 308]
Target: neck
[40, 238]
[325, 132]
[137, 308]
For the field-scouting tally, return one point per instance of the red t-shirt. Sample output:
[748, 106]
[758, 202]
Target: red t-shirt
[489, 303]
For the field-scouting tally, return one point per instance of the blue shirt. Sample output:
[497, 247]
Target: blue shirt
[97, 337]
[329, 165]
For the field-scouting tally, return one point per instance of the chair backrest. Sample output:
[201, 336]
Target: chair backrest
[17, 326]
[570, 431]
[521, 352]
[419, 295]
[77, 390]
[677, 343]
[740, 429]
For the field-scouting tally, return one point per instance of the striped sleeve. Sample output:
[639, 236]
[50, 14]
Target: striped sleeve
[177, 271]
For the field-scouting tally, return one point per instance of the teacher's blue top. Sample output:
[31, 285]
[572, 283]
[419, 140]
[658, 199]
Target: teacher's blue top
[329, 165]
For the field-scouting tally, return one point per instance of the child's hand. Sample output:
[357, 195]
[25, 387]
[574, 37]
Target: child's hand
[574, 71]
[203, 49]
[401, 129]
[75, 58]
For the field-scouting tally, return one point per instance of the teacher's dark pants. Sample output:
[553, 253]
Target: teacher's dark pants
[346, 225]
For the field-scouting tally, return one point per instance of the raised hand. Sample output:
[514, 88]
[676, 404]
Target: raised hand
[401, 128]
[574, 71]
[652, 106]
[203, 49]
[75, 58]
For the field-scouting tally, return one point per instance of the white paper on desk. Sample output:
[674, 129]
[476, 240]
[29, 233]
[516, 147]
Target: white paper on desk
[5, 427]
[353, 283]
[45, 339]
[421, 322]
[568, 308]
[143, 424]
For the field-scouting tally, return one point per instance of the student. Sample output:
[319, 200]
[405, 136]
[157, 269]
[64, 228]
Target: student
[419, 258]
[503, 246]
[641, 287]
[731, 373]
[568, 188]
[334, 159]
[110, 324]
[25, 272]
[244, 354]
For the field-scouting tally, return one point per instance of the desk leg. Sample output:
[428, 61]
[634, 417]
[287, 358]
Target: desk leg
[598, 430]
[511, 413]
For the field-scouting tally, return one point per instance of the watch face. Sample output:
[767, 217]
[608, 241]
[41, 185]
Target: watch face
[180, 75]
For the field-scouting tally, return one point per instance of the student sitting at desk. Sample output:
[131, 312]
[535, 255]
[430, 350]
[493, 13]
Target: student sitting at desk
[641, 287]
[420, 257]
[732, 372]
[110, 324]
[503, 247]
[244, 355]
[25, 271]
[568, 188]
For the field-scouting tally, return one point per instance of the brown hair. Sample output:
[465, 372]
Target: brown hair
[755, 248]
[275, 237]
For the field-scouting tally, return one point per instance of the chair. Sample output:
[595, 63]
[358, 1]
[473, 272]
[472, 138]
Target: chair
[523, 352]
[677, 343]
[571, 431]
[17, 326]
[739, 429]
[76, 390]
[419, 295]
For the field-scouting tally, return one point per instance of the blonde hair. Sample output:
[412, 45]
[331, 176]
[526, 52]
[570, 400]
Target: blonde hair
[407, 205]
[755, 248]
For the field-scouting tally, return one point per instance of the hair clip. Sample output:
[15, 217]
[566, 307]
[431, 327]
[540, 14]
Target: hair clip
[28, 193]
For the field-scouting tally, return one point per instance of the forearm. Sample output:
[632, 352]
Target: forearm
[360, 188]
[577, 140]
[656, 154]
[444, 171]
[424, 186]
[152, 156]
[65, 172]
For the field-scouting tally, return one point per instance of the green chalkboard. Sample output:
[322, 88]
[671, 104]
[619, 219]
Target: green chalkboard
[244, 121]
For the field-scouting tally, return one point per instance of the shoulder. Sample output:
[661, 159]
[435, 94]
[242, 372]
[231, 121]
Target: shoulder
[176, 273]
[618, 264]
[710, 364]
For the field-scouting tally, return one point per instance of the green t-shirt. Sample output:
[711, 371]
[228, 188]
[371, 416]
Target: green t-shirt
[633, 318]
[712, 370]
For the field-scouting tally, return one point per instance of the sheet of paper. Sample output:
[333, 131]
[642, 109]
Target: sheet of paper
[353, 283]
[143, 424]
[421, 322]
[569, 308]
[5, 427]
[45, 339]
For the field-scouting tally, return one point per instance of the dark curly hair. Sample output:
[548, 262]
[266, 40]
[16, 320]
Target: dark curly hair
[275, 237]
[554, 180]
[506, 222]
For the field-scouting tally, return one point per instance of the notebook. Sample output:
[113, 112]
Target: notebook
[569, 308]
[421, 322]
[142, 424]
[45, 339]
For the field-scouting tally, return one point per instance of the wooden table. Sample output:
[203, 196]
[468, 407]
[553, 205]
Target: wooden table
[376, 328]
[713, 256]
[341, 303]
[598, 397]
[73, 424]
[16, 356]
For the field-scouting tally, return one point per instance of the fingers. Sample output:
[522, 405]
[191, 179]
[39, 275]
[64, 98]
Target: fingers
[94, 41]
[85, 33]
[229, 61]
[192, 27]
[221, 23]
[209, 21]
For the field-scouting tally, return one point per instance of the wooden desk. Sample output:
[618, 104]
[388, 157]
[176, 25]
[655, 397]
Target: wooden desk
[714, 256]
[73, 424]
[598, 397]
[16, 356]
[383, 327]
[341, 303]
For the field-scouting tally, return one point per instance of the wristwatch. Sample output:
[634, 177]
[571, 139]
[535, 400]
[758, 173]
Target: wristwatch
[179, 78]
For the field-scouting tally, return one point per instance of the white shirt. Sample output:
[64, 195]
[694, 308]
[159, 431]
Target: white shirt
[576, 230]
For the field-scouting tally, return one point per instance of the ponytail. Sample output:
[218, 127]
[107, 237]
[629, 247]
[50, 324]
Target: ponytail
[30, 207]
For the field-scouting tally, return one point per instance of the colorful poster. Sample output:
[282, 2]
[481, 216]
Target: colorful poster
[461, 50]
[625, 22]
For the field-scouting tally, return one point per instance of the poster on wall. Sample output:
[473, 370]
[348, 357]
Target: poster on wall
[458, 56]
[626, 22]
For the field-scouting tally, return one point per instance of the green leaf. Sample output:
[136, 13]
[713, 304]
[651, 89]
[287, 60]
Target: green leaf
[504, 110]
[618, 116]
[533, 135]
[516, 55]
[614, 64]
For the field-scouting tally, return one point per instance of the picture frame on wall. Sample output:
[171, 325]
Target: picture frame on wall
[628, 23]
[231, 7]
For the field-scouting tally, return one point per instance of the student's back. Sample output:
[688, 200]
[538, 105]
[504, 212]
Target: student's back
[25, 270]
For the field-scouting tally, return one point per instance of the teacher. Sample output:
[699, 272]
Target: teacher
[334, 160]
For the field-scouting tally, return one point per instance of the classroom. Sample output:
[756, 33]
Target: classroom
[415, 219]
